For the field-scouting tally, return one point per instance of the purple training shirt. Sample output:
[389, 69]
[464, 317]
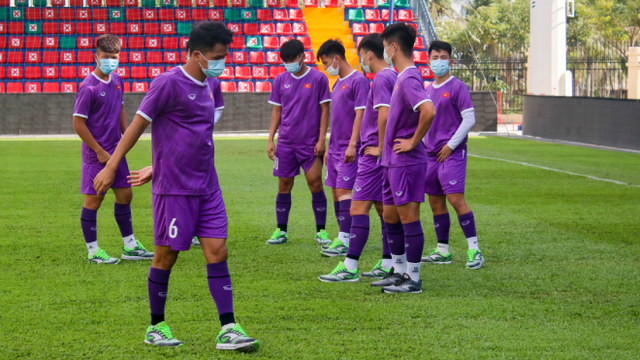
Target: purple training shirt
[214, 85]
[450, 98]
[181, 110]
[100, 103]
[300, 99]
[380, 95]
[349, 94]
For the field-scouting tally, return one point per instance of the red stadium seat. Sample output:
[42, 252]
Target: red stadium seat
[50, 72]
[14, 72]
[216, 15]
[16, 28]
[271, 42]
[263, 86]
[235, 28]
[250, 29]
[203, 3]
[256, 57]
[83, 14]
[350, 3]
[32, 72]
[264, 15]
[123, 57]
[138, 72]
[50, 57]
[136, 43]
[420, 57]
[332, 3]
[309, 58]
[426, 72]
[220, 3]
[405, 15]
[83, 28]
[240, 57]
[274, 3]
[50, 87]
[149, 15]
[165, 28]
[243, 72]
[14, 87]
[376, 28]
[94, 3]
[67, 57]
[227, 74]
[414, 25]
[133, 15]
[113, 3]
[16, 42]
[136, 57]
[84, 43]
[260, 72]
[67, 28]
[131, 3]
[199, 14]
[154, 71]
[123, 72]
[123, 41]
[66, 14]
[267, 29]
[419, 44]
[237, 43]
[284, 39]
[100, 28]
[66, 87]
[311, 3]
[50, 42]
[296, 15]
[3, 57]
[227, 59]
[100, 14]
[291, 3]
[149, 28]
[33, 42]
[154, 57]
[165, 15]
[171, 57]
[184, 3]
[58, 3]
[273, 58]
[385, 15]
[238, 3]
[140, 87]
[32, 87]
[33, 14]
[170, 43]
[372, 15]
[359, 29]
[84, 71]
[3, 27]
[280, 15]
[152, 42]
[50, 14]
[300, 29]
[368, 3]
[283, 29]
[14, 57]
[228, 86]
[245, 86]
[306, 41]
[118, 28]
[183, 42]
[275, 71]
[32, 57]
[85, 57]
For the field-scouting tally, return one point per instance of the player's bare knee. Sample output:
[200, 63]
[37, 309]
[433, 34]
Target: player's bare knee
[92, 202]
[216, 253]
[359, 208]
[285, 185]
[315, 185]
[458, 203]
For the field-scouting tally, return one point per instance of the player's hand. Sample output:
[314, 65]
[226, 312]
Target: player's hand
[324, 161]
[104, 180]
[271, 150]
[320, 148]
[350, 154]
[103, 157]
[402, 145]
[373, 151]
[140, 177]
[444, 153]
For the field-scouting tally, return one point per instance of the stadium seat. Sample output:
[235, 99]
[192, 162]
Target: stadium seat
[171, 57]
[415, 26]
[405, 15]
[254, 42]
[136, 28]
[256, 57]
[263, 86]
[199, 14]
[67, 42]
[332, 3]
[274, 3]
[50, 72]
[16, 14]
[154, 57]
[165, 28]
[280, 15]
[50, 87]
[123, 57]
[165, 15]
[240, 57]
[57, 3]
[16, 28]
[3, 57]
[136, 57]
[83, 14]
[32, 72]
[243, 72]
[32, 57]
[49, 42]
[85, 57]
[123, 72]
[351, 4]
[155, 71]
[401, 4]
[385, 15]
[94, 3]
[306, 41]
[251, 29]
[271, 42]
[227, 59]
[248, 15]
[183, 42]
[138, 72]
[84, 71]
[419, 44]
[100, 28]
[284, 39]
[275, 71]
[309, 58]
[203, 3]
[382, 3]
[184, 3]
[3, 27]
[84, 43]
[264, 15]
[283, 29]
[420, 57]
[50, 57]
[376, 28]
[256, 3]
[260, 72]
[169, 43]
[216, 15]
[118, 28]
[359, 29]
[183, 28]
[114, 15]
[33, 28]
[67, 57]
[31, 87]
[133, 15]
[139, 87]
[15, 57]
[123, 41]
[136, 43]
[426, 72]
[220, 3]
[273, 58]
[16, 42]
[83, 28]
[33, 14]
[67, 87]
[300, 29]
[152, 42]
[228, 86]
[245, 86]
[267, 29]
[50, 14]
[14, 87]
[66, 14]
[167, 3]
[14, 72]
[149, 15]
[2, 73]
[33, 42]
[100, 14]
[356, 15]
[227, 74]
[237, 43]
[372, 15]
[235, 28]
[131, 3]
[232, 15]
[238, 3]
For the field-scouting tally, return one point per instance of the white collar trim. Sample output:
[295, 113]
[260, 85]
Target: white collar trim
[354, 71]
[201, 83]
[388, 68]
[437, 86]
[410, 67]
[102, 81]
[303, 75]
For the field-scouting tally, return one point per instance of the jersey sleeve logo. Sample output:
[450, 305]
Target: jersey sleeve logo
[445, 94]
[344, 87]
[118, 87]
[307, 86]
[211, 96]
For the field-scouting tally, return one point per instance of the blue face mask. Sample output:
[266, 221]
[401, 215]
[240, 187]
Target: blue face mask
[107, 66]
[214, 68]
[293, 67]
[440, 67]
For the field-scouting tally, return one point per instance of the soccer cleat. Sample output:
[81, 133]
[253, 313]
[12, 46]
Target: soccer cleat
[474, 259]
[160, 335]
[391, 279]
[436, 257]
[322, 238]
[341, 274]
[278, 237]
[337, 248]
[405, 287]
[378, 271]
[235, 338]
[101, 256]
[195, 242]
[137, 253]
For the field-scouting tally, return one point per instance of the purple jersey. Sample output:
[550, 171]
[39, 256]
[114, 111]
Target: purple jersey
[100, 103]
[182, 111]
[403, 119]
[300, 99]
[349, 94]
[450, 98]
[380, 95]
[214, 85]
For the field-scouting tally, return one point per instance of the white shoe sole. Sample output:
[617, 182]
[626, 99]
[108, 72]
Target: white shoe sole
[127, 257]
[333, 255]
[103, 262]
[150, 343]
[241, 347]
[342, 281]
[437, 262]
[477, 266]
[395, 292]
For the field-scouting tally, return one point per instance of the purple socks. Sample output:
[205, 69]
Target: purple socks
[283, 206]
[359, 236]
[414, 239]
[442, 224]
[220, 287]
[395, 238]
[319, 203]
[336, 209]
[386, 253]
[158, 284]
[468, 225]
[344, 218]
[89, 224]
[122, 213]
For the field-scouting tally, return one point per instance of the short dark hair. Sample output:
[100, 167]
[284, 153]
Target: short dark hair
[402, 34]
[187, 46]
[332, 47]
[440, 46]
[373, 43]
[206, 35]
[108, 43]
[291, 49]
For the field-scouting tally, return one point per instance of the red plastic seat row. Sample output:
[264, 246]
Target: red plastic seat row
[363, 29]
[375, 15]
[245, 86]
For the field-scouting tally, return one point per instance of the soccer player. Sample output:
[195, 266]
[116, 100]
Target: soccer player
[300, 98]
[447, 157]
[368, 185]
[349, 99]
[99, 119]
[187, 199]
[404, 158]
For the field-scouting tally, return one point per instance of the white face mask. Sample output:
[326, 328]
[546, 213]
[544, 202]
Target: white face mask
[333, 71]
[388, 58]
[365, 67]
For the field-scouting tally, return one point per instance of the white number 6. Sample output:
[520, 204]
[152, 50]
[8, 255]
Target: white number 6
[173, 230]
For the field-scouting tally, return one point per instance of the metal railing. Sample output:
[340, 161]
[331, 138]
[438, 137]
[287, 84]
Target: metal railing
[421, 12]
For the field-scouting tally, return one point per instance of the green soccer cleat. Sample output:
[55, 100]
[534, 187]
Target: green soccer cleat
[378, 271]
[337, 248]
[235, 338]
[101, 257]
[475, 259]
[195, 242]
[278, 237]
[341, 274]
[137, 253]
[322, 238]
[436, 257]
[160, 335]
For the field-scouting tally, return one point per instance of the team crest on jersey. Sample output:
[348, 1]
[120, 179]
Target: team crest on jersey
[445, 94]
[396, 87]
[307, 86]
[211, 96]
[118, 87]
[344, 87]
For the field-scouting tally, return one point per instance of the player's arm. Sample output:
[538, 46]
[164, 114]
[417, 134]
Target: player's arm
[321, 147]
[350, 154]
[140, 177]
[104, 179]
[462, 101]
[427, 113]
[80, 126]
[124, 120]
[276, 116]
[383, 114]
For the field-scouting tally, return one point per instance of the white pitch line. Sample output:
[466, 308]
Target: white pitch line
[556, 170]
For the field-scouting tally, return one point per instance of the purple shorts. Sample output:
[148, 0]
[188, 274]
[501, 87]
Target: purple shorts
[178, 218]
[90, 171]
[340, 175]
[404, 184]
[289, 160]
[368, 186]
[447, 177]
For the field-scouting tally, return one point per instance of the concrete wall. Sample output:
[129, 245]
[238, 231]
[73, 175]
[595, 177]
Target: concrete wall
[38, 114]
[608, 122]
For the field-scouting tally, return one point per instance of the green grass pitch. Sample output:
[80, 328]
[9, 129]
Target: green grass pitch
[561, 281]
